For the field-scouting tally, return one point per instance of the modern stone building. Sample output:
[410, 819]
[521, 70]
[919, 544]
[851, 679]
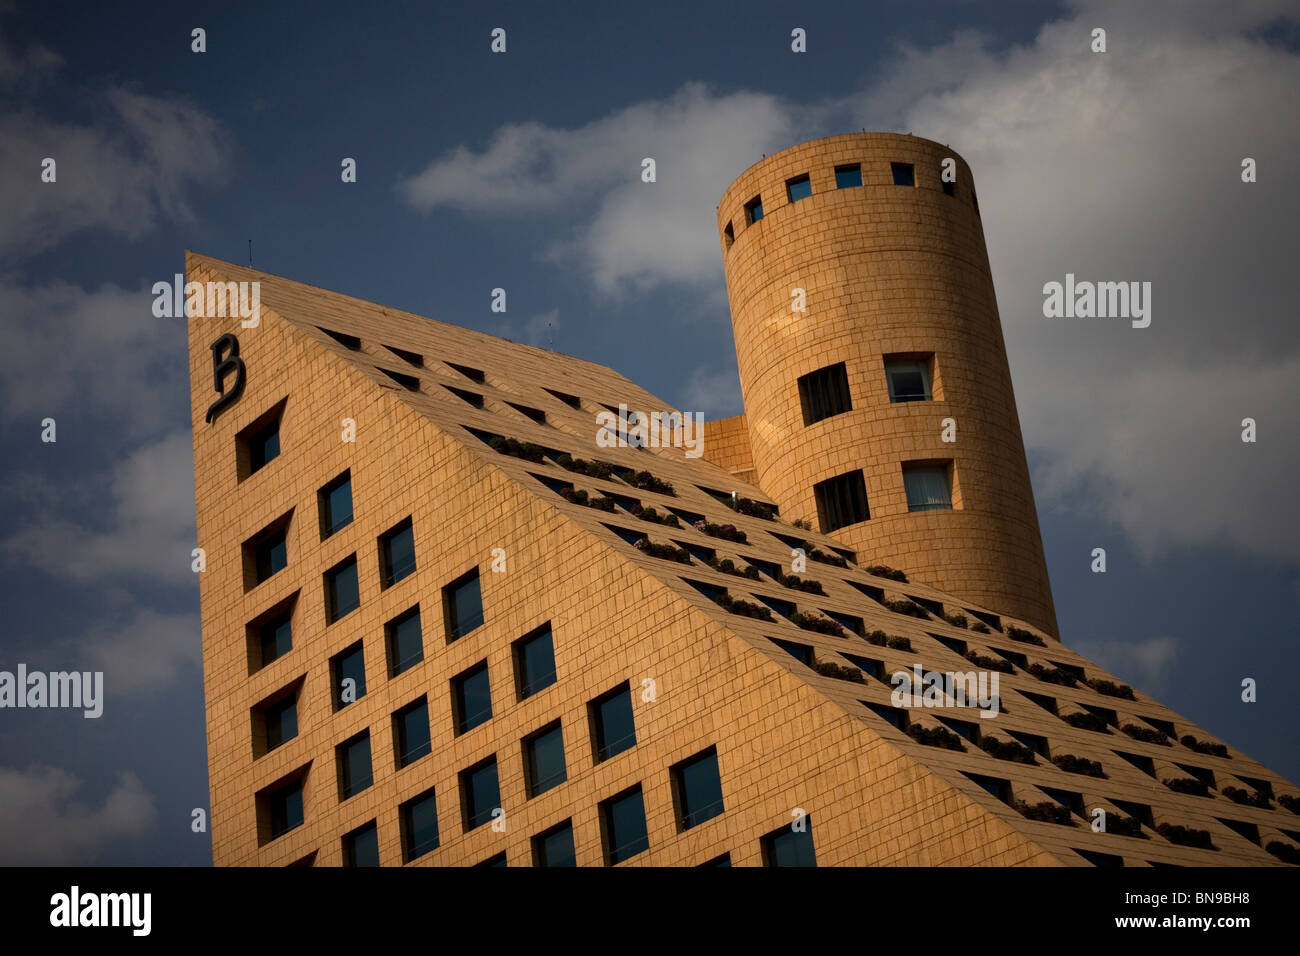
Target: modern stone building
[451, 617]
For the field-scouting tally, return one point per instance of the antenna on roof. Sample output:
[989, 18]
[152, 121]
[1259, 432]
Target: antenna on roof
[550, 336]
[250, 253]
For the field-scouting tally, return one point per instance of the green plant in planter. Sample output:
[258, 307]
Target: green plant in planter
[1202, 746]
[955, 619]
[748, 506]
[1290, 801]
[1086, 721]
[1025, 637]
[910, 608]
[885, 571]
[1111, 689]
[1051, 675]
[803, 524]
[743, 608]
[1189, 785]
[798, 584]
[819, 555]
[648, 482]
[1124, 826]
[979, 627]
[831, 669]
[1072, 764]
[666, 552]
[517, 449]
[811, 622]
[935, 737]
[1147, 735]
[1284, 852]
[1247, 797]
[1048, 812]
[990, 663]
[650, 514]
[727, 532]
[593, 469]
[1007, 750]
[1186, 836]
[899, 643]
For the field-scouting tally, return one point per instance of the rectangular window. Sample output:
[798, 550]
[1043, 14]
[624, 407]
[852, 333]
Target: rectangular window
[348, 676]
[729, 235]
[284, 807]
[555, 846]
[908, 379]
[397, 553]
[544, 760]
[405, 648]
[335, 504]
[354, 765]
[534, 662]
[754, 210]
[361, 846]
[697, 788]
[841, 501]
[480, 793]
[281, 720]
[258, 443]
[612, 728]
[471, 698]
[903, 174]
[846, 177]
[622, 824]
[342, 593]
[274, 636]
[824, 393]
[266, 553]
[411, 732]
[927, 487]
[419, 820]
[798, 188]
[462, 603]
[789, 846]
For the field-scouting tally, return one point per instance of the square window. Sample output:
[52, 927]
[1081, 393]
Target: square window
[354, 765]
[908, 379]
[824, 393]
[555, 846]
[841, 501]
[798, 188]
[397, 553]
[342, 593]
[462, 603]
[846, 177]
[697, 787]
[480, 793]
[283, 806]
[361, 846]
[927, 487]
[789, 846]
[754, 210]
[335, 504]
[405, 648]
[903, 174]
[612, 727]
[411, 732]
[622, 824]
[258, 443]
[534, 662]
[471, 698]
[281, 721]
[544, 760]
[348, 676]
[419, 820]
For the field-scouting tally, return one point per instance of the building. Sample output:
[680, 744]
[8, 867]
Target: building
[446, 623]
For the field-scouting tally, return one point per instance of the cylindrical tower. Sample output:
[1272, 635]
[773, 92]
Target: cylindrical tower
[883, 412]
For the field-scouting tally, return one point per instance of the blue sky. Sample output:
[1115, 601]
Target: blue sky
[521, 171]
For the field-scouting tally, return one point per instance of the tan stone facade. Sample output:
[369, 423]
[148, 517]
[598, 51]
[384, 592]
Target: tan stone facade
[428, 407]
[887, 271]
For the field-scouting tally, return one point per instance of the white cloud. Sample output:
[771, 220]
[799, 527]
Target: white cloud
[146, 651]
[1145, 663]
[538, 330]
[713, 391]
[122, 171]
[150, 530]
[44, 825]
[630, 234]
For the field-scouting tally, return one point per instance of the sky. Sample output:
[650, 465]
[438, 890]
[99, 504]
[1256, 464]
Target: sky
[521, 170]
